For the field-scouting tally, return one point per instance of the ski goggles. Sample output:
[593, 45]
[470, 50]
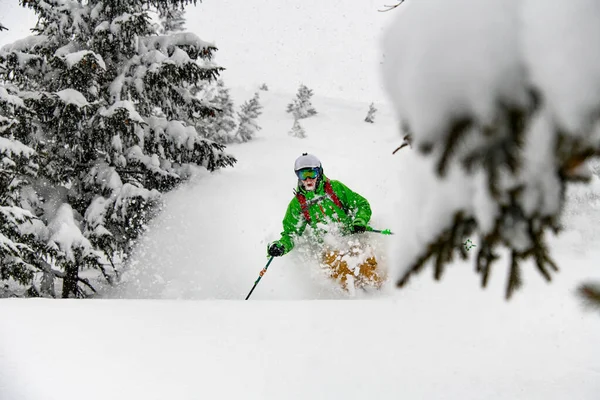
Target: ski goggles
[304, 173]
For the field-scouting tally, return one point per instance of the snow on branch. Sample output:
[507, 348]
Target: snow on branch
[11, 147]
[75, 58]
[25, 45]
[503, 100]
[72, 96]
[189, 42]
[65, 234]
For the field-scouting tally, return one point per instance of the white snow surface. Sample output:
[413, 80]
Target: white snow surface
[298, 336]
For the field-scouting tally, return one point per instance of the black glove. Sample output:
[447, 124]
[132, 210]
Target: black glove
[276, 250]
[358, 228]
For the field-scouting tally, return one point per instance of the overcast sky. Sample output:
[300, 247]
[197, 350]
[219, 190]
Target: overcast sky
[331, 46]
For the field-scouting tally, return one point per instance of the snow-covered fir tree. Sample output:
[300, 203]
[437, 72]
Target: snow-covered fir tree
[297, 129]
[22, 250]
[172, 20]
[371, 114]
[507, 137]
[301, 107]
[247, 115]
[91, 81]
[264, 87]
[220, 125]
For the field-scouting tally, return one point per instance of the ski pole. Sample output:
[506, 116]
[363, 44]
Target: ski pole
[262, 272]
[383, 232]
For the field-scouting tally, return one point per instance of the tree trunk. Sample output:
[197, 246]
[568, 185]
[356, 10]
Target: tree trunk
[70, 280]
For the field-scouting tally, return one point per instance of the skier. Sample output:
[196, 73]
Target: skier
[328, 205]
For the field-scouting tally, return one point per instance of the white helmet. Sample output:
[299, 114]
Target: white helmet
[307, 161]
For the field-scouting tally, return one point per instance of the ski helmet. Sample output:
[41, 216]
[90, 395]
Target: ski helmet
[308, 161]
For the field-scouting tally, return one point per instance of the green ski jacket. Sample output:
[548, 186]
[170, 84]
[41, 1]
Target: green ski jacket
[322, 209]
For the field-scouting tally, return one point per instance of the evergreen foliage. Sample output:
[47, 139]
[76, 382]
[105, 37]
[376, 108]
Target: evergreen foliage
[297, 129]
[220, 125]
[248, 114]
[171, 20]
[97, 129]
[371, 114]
[264, 87]
[590, 293]
[301, 106]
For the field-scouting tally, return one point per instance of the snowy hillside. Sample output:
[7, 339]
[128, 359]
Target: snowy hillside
[214, 233]
[430, 340]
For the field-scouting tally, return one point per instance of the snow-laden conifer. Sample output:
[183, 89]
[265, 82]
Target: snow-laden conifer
[371, 114]
[220, 125]
[22, 235]
[301, 107]
[247, 115]
[109, 103]
[504, 120]
[297, 129]
[171, 20]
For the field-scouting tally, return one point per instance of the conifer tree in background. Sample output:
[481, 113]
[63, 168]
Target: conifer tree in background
[297, 129]
[105, 105]
[301, 106]
[371, 114]
[248, 114]
[220, 125]
[264, 87]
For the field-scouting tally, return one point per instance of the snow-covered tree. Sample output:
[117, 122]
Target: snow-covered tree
[264, 87]
[247, 115]
[172, 20]
[297, 129]
[220, 125]
[505, 121]
[301, 106]
[371, 114]
[107, 103]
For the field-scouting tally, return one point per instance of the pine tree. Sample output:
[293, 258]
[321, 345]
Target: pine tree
[301, 106]
[371, 114]
[297, 129]
[22, 235]
[248, 127]
[171, 20]
[21, 239]
[106, 110]
[264, 87]
[220, 125]
[515, 142]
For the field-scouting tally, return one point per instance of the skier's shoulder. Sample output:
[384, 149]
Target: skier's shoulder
[336, 184]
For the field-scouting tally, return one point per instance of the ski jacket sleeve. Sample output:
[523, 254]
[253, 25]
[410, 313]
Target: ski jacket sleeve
[359, 209]
[293, 225]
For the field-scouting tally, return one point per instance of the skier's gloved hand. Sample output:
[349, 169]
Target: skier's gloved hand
[276, 250]
[358, 228]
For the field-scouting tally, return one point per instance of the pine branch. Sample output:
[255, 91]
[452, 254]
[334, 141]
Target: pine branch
[590, 295]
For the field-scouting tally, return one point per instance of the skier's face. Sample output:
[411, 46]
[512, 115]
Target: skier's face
[309, 184]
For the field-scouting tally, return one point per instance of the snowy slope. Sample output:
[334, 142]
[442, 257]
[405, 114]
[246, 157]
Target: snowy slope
[214, 233]
[447, 340]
